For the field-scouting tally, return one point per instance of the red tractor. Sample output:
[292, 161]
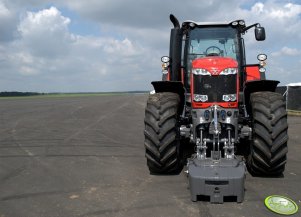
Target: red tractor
[212, 100]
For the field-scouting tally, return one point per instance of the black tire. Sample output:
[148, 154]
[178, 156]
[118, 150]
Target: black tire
[162, 146]
[268, 147]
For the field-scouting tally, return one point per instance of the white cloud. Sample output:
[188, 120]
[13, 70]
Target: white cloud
[124, 47]
[286, 51]
[288, 11]
[7, 23]
[47, 20]
[258, 8]
[45, 33]
[276, 10]
[4, 12]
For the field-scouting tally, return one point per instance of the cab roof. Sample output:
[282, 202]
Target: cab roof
[205, 23]
[223, 23]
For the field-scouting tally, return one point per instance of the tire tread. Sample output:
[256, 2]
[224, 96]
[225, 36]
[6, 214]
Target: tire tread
[161, 141]
[269, 144]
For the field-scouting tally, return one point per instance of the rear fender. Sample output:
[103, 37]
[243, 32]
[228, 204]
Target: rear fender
[257, 86]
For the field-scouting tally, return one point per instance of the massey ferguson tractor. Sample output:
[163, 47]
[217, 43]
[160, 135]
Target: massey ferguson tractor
[210, 99]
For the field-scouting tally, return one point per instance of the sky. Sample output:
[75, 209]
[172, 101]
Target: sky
[116, 45]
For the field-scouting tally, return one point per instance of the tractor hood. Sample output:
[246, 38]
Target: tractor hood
[215, 65]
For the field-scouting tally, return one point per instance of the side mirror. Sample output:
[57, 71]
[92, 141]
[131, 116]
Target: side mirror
[260, 33]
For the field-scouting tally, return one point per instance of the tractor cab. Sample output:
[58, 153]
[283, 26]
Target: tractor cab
[209, 41]
[213, 59]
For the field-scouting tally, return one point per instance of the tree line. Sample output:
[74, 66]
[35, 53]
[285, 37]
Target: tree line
[17, 93]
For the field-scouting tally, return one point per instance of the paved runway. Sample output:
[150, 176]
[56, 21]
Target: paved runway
[84, 156]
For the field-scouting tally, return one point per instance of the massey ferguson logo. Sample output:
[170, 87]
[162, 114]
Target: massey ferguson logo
[214, 71]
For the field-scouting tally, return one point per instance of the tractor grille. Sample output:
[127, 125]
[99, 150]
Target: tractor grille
[214, 86]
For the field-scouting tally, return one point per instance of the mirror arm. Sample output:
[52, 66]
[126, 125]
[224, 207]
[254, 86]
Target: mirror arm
[249, 27]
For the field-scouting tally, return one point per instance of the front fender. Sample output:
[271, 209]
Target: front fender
[257, 86]
[171, 86]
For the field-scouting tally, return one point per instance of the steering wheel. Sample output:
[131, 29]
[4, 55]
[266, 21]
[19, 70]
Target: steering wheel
[213, 51]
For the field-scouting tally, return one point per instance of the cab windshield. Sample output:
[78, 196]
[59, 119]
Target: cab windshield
[213, 41]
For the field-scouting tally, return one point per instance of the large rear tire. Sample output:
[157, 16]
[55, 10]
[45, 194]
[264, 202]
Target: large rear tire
[269, 145]
[162, 145]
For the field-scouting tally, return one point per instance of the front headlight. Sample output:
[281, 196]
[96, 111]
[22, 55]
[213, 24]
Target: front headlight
[229, 71]
[200, 72]
[200, 98]
[229, 97]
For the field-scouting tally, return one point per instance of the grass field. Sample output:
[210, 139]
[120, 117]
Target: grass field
[61, 95]
[294, 112]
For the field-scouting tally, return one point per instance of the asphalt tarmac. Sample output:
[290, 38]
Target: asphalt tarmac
[84, 156]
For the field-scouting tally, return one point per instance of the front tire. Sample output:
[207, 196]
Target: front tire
[162, 145]
[269, 144]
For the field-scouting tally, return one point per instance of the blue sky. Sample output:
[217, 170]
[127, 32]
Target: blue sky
[116, 45]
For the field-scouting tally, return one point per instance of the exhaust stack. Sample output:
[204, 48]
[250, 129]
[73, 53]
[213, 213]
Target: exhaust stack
[175, 49]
